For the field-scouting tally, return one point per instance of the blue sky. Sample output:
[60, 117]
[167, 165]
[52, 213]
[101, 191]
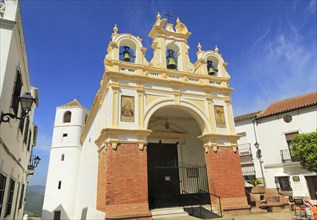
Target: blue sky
[270, 47]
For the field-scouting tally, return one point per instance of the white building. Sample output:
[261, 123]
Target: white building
[274, 129]
[64, 162]
[17, 137]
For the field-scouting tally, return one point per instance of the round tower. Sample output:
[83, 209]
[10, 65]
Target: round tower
[61, 184]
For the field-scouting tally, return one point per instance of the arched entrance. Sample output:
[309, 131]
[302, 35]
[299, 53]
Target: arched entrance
[177, 174]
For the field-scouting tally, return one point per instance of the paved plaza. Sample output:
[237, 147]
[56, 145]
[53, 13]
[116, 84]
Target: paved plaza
[285, 215]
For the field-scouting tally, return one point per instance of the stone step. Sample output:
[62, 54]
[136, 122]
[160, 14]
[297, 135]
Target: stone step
[168, 213]
[258, 211]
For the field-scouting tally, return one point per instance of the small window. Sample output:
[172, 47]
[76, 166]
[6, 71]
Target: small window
[30, 141]
[10, 197]
[59, 184]
[16, 93]
[21, 196]
[67, 117]
[65, 135]
[57, 215]
[3, 180]
[21, 125]
[192, 172]
[26, 131]
[243, 134]
[62, 157]
[284, 183]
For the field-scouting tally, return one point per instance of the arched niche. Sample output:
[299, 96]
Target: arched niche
[215, 65]
[176, 50]
[134, 44]
[217, 62]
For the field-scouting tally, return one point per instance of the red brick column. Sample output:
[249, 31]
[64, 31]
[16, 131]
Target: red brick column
[101, 186]
[225, 179]
[123, 186]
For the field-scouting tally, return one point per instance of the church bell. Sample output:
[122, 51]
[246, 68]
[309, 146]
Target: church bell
[126, 54]
[210, 68]
[171, 62]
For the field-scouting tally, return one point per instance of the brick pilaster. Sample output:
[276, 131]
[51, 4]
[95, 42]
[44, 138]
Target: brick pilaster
[225, 179]
[123, 186]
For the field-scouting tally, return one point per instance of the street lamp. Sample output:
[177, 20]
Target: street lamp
[259, 155]
[34, 162]
[26, 101]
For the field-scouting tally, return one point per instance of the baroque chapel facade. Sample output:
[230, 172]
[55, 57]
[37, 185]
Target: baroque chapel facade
[158, 133]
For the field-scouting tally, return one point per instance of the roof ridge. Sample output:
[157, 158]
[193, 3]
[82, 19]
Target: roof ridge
[283, 100]
[290, 104]
[73, 103]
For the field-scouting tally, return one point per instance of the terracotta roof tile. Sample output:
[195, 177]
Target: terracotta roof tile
[247, 116]
[71, 104]
[290, 104]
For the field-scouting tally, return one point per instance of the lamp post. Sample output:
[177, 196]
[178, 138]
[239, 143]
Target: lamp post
[259, 156]
[26, 101]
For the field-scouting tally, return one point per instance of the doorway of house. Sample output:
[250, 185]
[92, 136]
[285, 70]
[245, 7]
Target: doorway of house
[312, 186]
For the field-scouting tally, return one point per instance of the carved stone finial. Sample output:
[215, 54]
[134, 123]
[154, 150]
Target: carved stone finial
[217, 49]
[115, 29]
[158, 16]
[141, 146]
[114, 146]
[215, 148]
[199, 46]
[177, 20]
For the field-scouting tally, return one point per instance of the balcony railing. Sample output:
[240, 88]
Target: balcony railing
[287, 156]
[245, 149]
[248, 170]
[3, 4]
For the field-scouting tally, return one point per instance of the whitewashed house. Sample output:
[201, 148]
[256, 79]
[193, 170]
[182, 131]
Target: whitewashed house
[274, 129]
[17, 136]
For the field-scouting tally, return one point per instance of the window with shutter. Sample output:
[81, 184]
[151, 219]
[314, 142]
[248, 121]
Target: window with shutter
[10, 197]
[30, 141]
[21, 125]
[3, 181]
[21, 196]
[16, 93]
[26, 131]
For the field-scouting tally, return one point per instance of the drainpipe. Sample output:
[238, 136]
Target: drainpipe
[259, 154]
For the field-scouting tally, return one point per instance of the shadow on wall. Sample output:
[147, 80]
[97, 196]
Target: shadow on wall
[84, 213]
[58, 213]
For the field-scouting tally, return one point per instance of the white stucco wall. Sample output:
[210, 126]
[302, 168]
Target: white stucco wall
[272, 131]
[247, 127]
[14, 156]
[88, 171]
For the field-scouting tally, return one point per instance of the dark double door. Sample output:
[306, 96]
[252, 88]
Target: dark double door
[163, 175]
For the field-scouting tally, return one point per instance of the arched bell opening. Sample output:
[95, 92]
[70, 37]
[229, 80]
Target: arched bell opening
[172, 55]
[127, 51]
[177, 171]
[212, 66]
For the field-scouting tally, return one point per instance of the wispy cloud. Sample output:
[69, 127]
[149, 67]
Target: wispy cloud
[281, 63]
[311, 7]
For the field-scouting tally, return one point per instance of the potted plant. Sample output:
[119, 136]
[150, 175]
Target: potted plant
[256, 189]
